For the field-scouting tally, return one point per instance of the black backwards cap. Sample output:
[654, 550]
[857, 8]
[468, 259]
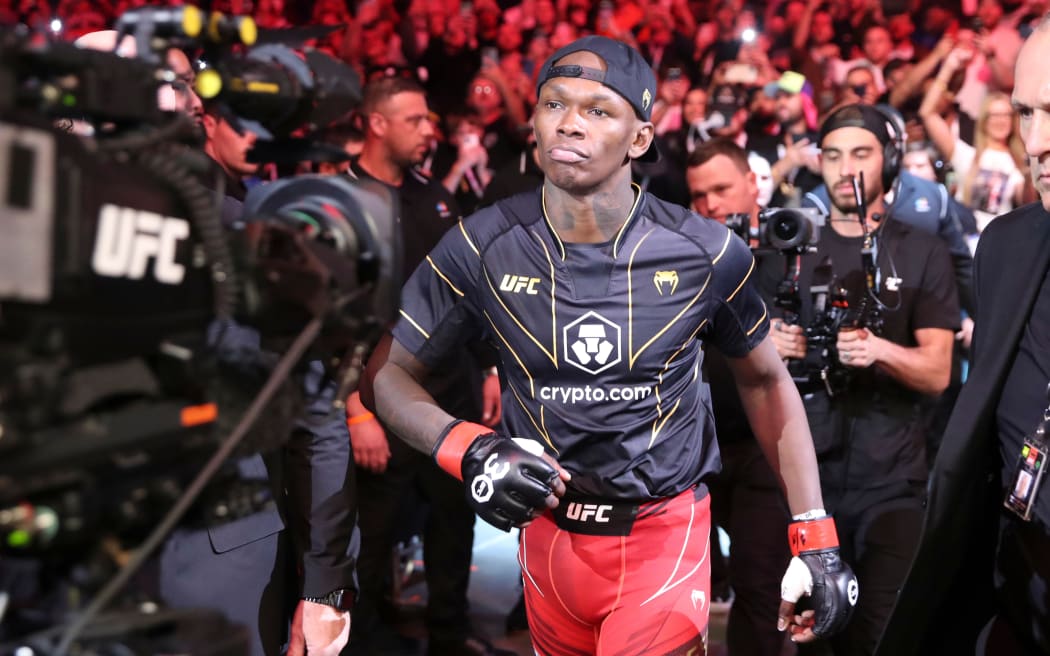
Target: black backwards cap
[859, 116]
[626, 73]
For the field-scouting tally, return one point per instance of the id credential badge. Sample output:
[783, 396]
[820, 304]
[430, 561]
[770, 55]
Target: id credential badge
[1028, 474]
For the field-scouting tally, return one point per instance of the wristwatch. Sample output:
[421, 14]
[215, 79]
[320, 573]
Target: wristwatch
[341, 599]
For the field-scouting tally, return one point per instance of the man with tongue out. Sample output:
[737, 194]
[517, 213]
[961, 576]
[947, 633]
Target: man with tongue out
[599, 298]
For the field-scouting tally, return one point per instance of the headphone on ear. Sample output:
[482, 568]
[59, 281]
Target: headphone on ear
[893, 149]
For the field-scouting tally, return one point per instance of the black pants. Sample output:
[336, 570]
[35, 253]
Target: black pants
[878, 534]
[747, 502]
[448, 540]
[1022, 583]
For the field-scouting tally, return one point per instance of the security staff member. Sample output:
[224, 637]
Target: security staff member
[979, 560]
[869, 434]
[398, 131]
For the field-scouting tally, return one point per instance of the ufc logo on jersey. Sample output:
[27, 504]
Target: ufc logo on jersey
[515, 284]
[582, 512]
[128, 239]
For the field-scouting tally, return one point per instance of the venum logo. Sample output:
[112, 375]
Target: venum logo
[582, 512]
[128, 239]
[592, 343]
[665, 279]
[517, 284]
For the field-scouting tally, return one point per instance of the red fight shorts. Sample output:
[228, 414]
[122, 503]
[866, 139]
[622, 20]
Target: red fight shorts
[619, 579]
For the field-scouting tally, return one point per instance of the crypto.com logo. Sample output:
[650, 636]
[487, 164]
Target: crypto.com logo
[592, 343]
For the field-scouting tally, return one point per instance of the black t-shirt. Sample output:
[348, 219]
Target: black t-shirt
[870, 434]
[428, 211]
[1024, 394]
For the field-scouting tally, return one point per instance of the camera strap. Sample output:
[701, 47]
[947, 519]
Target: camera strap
[1027, 479]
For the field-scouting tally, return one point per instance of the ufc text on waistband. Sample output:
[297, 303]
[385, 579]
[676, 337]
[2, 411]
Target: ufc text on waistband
[588, 516]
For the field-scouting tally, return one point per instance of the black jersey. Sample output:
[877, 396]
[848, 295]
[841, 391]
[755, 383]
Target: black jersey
[600, 343]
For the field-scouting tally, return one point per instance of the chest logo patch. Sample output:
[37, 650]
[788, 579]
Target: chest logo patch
[518, 284]
[592, 343]
[665, 280]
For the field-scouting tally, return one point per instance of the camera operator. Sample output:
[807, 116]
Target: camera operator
[746, 499]
[397, 131]
[868, 432]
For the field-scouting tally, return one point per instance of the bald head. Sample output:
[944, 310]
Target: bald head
[1031, 99]
[105, 40]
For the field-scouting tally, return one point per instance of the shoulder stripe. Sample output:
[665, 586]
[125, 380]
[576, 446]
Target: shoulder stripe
[759, 322]
[463, 229]
[725, 247]
[738, 287]
[414, 324]
[443, 276]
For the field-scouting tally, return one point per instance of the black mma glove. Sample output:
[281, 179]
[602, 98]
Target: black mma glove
[817, 572]
[506, 484]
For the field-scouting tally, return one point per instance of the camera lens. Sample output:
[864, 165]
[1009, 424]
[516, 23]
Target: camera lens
[788, 229]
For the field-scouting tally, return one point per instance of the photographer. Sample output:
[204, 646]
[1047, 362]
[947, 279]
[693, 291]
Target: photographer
[865, 373]
[746, 500]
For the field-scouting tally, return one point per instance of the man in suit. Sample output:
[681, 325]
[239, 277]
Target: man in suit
[980, 576]
[290, 554]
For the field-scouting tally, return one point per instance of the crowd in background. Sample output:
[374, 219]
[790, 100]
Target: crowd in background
[763, 74]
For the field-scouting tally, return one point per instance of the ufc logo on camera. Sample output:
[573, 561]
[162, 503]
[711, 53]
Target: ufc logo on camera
[127, 239]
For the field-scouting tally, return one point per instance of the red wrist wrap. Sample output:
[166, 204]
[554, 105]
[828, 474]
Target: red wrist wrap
[454, 443]
[812, 535]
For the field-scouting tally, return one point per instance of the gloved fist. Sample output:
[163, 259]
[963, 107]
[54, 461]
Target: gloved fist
[817, 572]
[507, 486]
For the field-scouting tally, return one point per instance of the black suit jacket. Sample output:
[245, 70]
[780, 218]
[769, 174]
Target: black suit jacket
[948, 596]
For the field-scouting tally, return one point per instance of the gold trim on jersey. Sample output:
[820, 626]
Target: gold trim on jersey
[463, 229]
[532, 385]
[741, 285]
[550, 224]
[630, 217]
[520, 325]
[667, 365]
[725, 247]
[632, 355]
[443, 276]
[554, 304]
[759, 322]
[541, 427]
[663, 422]
[619, 233]
[414, 324]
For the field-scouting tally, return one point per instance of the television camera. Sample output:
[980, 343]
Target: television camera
[121, 284]
[831, 307]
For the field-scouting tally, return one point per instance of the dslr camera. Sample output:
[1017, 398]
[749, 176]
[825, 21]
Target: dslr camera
[788, 230]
